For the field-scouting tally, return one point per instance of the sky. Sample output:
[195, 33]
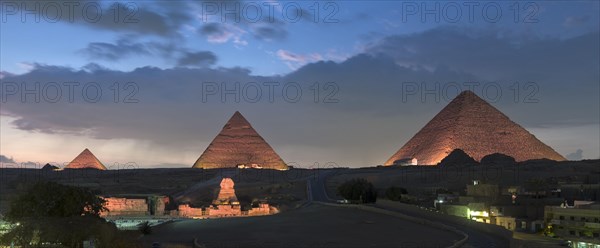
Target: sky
[150, 84]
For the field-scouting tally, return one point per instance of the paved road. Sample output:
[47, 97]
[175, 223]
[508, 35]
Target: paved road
[477, 238]
[316, 186]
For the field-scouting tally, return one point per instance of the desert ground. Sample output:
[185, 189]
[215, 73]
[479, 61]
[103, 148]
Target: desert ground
[303, 222]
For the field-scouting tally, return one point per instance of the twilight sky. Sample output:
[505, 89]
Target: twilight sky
[347, 82]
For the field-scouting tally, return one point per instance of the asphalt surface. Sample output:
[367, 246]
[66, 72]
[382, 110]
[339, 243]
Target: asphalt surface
[477, 238]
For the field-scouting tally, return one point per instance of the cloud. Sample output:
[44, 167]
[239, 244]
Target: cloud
[31, 164]
[270, 33]
[132, 17]
[352, 97]
[295, 61]
[577, 155]
[223, 33]
[5, 159]
[575, 21]
[4, 74]
[558, 67]
[123, 48]
[234, 24]
[201, 59]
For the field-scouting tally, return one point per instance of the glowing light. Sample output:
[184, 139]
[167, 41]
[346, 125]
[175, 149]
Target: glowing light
[480, 213]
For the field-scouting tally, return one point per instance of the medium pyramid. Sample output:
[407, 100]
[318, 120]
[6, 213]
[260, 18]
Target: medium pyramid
[471, 124]
[239, 144]
[86, 160]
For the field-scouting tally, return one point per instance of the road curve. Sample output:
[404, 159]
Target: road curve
[316, 191]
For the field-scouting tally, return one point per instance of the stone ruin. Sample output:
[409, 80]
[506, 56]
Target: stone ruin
[225, 205]
[135, 206]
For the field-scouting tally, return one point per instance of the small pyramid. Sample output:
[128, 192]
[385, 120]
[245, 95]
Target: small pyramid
[86, 160]
[498, 159]
[471, 124]
[49, 167]
[238, 144]
[457, 157]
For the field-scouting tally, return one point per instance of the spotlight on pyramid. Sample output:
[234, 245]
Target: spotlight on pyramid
[86, 160]
[471, 124]
[239, 145]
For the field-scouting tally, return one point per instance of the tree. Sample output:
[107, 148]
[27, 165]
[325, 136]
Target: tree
[358, 190]
[51, 214]
[395, 193]
[49, 199]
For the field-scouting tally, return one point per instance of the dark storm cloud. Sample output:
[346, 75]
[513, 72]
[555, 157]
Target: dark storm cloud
[269, 33]
[575, 21]
[212, 29]
[492, 53]
[171, 109]
[143, 20]
[563, 69]
[157, 92]
[5, 159]
[265, 27]
[125, 48]
[131, 17]
[121, 49]
[201, 59]
[577, 155]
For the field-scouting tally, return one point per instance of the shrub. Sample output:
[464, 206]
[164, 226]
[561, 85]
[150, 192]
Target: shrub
[395, 193]
[358, 190]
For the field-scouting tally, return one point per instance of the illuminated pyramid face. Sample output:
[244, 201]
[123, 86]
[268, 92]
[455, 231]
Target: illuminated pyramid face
[86, 160]
[238, 144]
[471, 124]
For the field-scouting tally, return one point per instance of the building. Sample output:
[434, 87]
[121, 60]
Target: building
[579, 224]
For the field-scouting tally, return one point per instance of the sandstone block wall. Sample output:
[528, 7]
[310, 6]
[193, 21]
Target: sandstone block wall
[125, 207]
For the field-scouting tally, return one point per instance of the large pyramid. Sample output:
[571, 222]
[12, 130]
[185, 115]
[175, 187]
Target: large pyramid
[86, 160]
[471, 124]
[239, 144]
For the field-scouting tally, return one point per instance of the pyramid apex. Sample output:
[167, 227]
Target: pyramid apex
[467, 93]
[237, 114]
